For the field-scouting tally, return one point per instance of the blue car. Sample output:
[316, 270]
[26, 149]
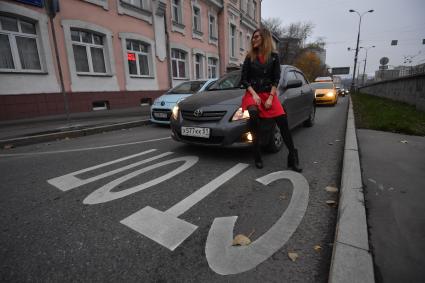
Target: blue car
[162, 106]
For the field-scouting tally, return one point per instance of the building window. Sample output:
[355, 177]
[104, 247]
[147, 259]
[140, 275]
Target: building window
[177, 11]
[212, 27]
[178, 63]
[18, 45]
[88, 48]
[241, 41]
[198, 66]
[196, 19]
[141, 4]
[138, 54]
[254, 13]
[232, 40]
[212, 68]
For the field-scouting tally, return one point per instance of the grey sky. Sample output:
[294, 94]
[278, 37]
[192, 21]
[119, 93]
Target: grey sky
[403, 20]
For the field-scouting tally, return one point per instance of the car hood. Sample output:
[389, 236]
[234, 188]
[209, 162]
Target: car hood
[172, 98]
[215, 97]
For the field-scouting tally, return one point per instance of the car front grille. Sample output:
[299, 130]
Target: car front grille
[206, 116]
[156, 112]
[211, 140]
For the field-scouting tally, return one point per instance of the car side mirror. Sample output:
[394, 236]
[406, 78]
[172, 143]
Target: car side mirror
[294, 84]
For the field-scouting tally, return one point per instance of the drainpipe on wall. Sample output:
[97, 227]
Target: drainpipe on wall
[52, 7]
[167, 46]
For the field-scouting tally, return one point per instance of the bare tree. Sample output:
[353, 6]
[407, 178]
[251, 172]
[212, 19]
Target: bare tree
[299, 30]
[274, 25]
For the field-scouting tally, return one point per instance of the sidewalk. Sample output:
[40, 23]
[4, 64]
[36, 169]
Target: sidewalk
[43, 129]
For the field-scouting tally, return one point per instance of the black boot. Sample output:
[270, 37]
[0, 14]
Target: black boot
[293, 161]
[257, 157]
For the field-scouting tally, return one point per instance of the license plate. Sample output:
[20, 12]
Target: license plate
[196, 132]
[160, 115]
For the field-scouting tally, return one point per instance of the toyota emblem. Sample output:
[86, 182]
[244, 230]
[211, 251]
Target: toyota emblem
[197, 113]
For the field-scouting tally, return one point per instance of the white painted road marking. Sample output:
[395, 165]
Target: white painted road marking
[81, 149]
[104, 193]
[226, 259]
[70, 181]
[166, 228]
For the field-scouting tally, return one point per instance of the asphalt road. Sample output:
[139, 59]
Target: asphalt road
[134, 205]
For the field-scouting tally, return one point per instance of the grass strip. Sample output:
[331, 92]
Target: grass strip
[377, 113]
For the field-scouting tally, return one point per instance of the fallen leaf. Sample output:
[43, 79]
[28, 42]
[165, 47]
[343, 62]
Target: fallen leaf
[8, 146]
[283, 196]
[331, 202]
[337, 140]
[317, 248]
[331, 189]
[315, 162]
[241, 240]
[404, 141]
[293, 256]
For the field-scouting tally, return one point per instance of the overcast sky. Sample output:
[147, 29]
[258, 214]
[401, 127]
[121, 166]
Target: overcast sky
[403, 20]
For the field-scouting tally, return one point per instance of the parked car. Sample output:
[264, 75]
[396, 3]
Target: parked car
[217, 119]
[162, 106]
[323, 79]
[325, 93]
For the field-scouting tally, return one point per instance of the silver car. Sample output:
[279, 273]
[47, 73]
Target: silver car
[217, 119]
[162, 106]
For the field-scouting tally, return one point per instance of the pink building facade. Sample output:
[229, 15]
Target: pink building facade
[111, 54]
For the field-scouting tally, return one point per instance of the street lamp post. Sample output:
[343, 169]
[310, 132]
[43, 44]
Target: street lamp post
[357, 45]
[365, 60]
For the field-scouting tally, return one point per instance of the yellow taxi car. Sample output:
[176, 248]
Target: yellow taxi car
[325, 93]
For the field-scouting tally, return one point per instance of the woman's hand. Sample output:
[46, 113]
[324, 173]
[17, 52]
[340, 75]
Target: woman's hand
[269, 102]
[256, 98]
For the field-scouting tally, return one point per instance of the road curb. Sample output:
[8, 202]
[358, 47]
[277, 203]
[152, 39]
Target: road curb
[351, 258]
[27, 140]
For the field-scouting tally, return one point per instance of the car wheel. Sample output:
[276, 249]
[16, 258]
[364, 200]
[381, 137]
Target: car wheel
[275, 141]
[310, 121]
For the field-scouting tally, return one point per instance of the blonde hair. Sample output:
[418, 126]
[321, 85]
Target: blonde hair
[266, 47]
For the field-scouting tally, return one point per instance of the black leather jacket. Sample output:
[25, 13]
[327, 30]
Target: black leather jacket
[261, 77]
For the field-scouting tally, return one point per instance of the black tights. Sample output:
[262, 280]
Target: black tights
[281, 122]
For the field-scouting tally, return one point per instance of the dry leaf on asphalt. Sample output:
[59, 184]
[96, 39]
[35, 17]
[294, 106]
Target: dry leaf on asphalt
[404, 141]
[8, 146]
[331, 189]
[293, 256]
[241, 240]
[317, 248]
[331, 202]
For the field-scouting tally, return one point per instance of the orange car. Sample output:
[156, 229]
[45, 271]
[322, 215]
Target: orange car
[325, 93]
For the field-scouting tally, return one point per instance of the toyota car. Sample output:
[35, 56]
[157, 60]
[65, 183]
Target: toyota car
[217, 119]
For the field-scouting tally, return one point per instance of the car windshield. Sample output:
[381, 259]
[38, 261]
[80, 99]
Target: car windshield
[187, 87]
[322, 85]
[229, 81]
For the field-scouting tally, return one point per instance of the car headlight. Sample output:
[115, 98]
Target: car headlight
[240, 115]
[175, 112]
[330, 94]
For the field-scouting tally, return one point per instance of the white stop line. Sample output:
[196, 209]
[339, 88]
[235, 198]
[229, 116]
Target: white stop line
[165, 228]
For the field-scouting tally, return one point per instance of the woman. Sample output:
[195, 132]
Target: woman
[260, 77]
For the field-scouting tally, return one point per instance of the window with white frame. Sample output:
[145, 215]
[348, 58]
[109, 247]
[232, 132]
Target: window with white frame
[196, 19]
[138, 54]
[141, 4]
[232, 36]
[88, 48]
[198, 66]
[176, 7]
[18, 45]
[212, 27]
[241, 41]
[212, 67]
[178, 63]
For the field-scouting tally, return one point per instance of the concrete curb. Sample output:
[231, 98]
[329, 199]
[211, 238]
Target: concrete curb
[27, 140]
[351, 258]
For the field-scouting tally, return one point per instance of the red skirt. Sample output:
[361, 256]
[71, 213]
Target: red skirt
[274, 111]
